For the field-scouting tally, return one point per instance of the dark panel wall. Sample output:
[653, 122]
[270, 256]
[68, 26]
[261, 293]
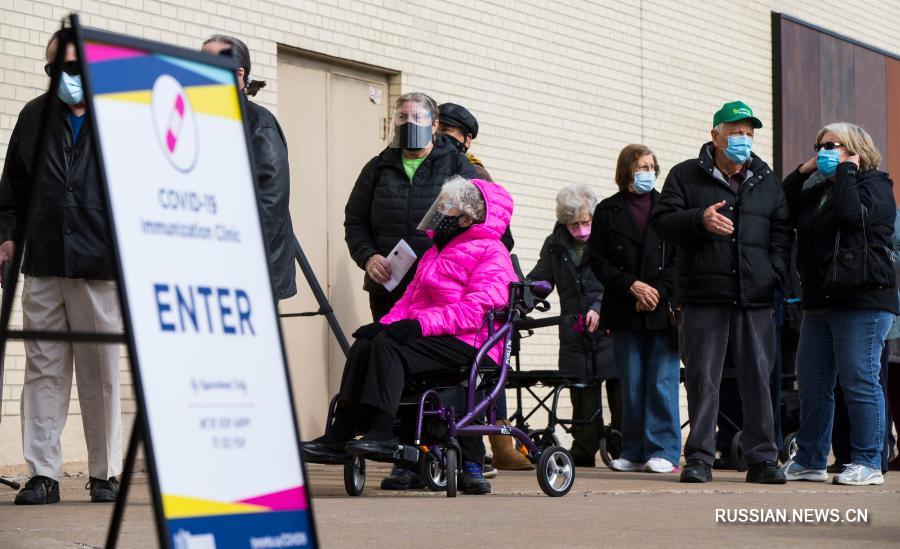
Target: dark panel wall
[822, 78]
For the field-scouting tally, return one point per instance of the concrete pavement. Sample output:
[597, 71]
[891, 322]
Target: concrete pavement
[603, 509]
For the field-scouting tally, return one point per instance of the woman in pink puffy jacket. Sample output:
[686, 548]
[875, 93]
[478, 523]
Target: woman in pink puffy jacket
[438, 324]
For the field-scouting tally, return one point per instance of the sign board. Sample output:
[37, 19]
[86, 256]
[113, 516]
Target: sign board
[209, 365]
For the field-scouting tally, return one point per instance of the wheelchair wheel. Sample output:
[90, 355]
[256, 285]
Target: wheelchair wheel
[432, 473]
[788, 448]
[737, 452]
[555, 471]
[355, 476]
[451, 459]
[543, 438]
[610, 446]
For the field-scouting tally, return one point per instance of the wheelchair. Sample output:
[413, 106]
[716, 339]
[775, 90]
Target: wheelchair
[435, 412]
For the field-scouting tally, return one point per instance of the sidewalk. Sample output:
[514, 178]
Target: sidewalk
[603, 509]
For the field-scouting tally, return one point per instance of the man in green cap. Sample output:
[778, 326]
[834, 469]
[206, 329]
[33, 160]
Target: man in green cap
[727, 214]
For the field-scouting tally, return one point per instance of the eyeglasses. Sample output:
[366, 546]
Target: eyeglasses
[72, 68]
[577, 224]
[828, 146]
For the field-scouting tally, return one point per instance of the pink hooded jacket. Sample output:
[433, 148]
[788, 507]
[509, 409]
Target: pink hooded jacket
[454, 288]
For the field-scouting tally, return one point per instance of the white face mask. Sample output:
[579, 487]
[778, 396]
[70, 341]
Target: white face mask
[70, 90]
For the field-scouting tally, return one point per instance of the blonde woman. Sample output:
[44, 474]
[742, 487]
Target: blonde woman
[845, 318]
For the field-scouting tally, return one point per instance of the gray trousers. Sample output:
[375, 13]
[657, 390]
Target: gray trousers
[710, 334]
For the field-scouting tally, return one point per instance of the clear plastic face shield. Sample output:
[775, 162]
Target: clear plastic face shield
[445, 206]
[412, 126]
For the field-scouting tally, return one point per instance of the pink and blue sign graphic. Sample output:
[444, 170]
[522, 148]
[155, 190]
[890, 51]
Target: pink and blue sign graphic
[250, 494]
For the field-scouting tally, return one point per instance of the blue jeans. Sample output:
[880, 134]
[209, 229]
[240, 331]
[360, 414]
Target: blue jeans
[846, 343]
[648, 377]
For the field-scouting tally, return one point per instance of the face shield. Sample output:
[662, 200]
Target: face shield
[412, 126]
[445, 206]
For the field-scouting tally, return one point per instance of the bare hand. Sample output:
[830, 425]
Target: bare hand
[7, 251]
[646, 295]
[809, 166]
[378, 269]
[592, 321]
[715, 222]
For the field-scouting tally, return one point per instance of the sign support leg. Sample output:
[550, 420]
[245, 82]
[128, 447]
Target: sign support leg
[112, 536]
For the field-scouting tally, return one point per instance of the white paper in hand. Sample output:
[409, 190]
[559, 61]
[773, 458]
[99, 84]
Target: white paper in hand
[401, 260]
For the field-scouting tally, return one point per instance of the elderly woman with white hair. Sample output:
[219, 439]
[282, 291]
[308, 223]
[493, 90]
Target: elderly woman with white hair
[843, 209]
[435, 326]
[585, 351]
[638, 270]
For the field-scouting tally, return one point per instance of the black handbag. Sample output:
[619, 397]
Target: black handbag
[859, 269]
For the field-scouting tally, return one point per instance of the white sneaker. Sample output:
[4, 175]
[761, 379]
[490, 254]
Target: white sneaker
[858, 475]
[659, 465]
[794, 471]
[624, 465]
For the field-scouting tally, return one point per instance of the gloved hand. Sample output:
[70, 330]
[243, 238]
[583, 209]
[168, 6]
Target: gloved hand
[403, 330]
[369, 331]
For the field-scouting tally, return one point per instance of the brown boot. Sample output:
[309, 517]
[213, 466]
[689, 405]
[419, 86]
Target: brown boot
[506, 457]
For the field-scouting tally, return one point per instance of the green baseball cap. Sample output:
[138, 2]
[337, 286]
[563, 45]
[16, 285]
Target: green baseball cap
[734, 111]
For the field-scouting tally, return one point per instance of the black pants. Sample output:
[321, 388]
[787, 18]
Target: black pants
[586, 438]
[710, 336]
[376, 370]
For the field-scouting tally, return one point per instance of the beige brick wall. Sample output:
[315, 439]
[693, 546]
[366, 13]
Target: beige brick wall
[558, 87]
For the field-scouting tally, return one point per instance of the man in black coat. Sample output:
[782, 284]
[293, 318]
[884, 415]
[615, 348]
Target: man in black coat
[69, 285]
[727, 213]
[270, 161]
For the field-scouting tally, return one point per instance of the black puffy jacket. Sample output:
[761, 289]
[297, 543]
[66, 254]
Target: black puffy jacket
[820, 209]
[273, 184]
[384, 206]
[743, 268]
[69, 232]
[620, 254]
[579, 291]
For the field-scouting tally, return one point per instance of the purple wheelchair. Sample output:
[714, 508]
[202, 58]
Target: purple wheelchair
[438, 409]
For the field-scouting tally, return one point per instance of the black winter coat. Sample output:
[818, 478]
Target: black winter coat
[743, 268]
[273, 184]
[69, 232]
[384, 206]
[817, 223]
[579, 291]
[621, 254]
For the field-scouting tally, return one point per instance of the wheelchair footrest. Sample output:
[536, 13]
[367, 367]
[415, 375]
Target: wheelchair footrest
[403, 453]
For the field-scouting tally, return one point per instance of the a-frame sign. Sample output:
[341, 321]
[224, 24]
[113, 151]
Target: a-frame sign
[215, 409]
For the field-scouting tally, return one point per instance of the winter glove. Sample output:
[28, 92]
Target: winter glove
[403, 330]
[369, 331]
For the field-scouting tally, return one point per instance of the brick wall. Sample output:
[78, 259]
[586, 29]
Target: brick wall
[558, 87]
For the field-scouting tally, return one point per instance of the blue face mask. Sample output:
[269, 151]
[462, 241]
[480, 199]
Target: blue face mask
[70, 90]
[827, 161]
[738, 149]
[643, 182]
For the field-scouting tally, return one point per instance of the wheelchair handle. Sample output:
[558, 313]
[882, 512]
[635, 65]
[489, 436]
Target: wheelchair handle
[543, 287]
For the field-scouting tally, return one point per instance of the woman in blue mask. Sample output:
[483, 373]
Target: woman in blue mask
[638, 271]
[839, 199]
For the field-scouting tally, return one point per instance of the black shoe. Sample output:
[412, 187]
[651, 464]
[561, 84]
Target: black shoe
[373, 448]
[318, 450]
[472, 481]
[696, 471]
[103, 491]
[766, 472]
[725, 463]
[836, 467]
[402, 479]
[38, 491]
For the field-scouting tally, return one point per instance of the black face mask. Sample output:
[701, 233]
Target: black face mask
[412, 137]
[447, 230]
[461, 147]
